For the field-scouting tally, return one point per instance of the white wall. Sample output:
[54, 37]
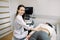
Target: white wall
[58, 31]
[46, 9]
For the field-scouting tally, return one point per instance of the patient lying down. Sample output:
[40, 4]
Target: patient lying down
[45, 32]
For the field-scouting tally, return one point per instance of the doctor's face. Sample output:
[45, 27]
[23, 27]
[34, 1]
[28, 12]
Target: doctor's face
[21, 11]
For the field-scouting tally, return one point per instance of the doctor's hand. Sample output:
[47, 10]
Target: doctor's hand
[28, 37]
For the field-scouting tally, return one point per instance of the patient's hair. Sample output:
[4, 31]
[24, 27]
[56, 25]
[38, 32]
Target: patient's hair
[49, 25]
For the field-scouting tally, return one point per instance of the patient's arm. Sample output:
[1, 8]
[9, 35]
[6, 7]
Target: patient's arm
[37, 28]
[28, 36]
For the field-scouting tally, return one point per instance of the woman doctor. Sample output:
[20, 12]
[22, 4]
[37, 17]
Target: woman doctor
[19, 25]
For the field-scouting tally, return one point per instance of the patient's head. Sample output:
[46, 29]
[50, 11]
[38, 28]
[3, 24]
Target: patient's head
[49, 24]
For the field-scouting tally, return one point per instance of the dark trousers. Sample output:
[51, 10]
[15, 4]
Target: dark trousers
[40, 35]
